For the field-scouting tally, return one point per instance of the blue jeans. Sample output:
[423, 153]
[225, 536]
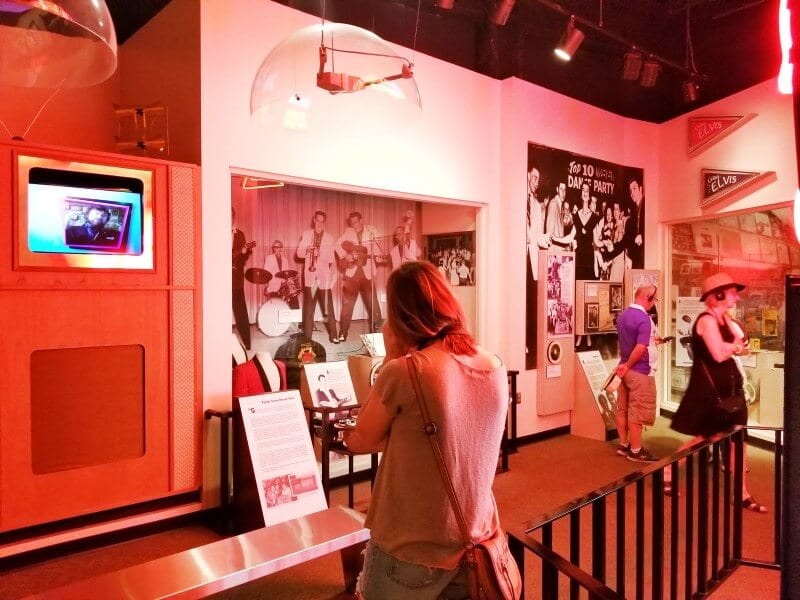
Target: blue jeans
[387, 578]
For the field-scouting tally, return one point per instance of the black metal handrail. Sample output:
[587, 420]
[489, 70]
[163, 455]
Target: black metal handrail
[712, 547]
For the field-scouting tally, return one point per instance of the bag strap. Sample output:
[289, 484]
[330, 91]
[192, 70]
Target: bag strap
[710, 379]
[430, 429]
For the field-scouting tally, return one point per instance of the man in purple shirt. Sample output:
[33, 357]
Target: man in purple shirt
[636, 396]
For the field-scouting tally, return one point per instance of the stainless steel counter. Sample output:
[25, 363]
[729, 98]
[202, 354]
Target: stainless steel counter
[221, 565]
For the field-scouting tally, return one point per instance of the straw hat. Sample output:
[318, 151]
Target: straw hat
[718, 283]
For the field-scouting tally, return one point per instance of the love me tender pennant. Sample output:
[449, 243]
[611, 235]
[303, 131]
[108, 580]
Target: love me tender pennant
[704, 131]
[718, 184]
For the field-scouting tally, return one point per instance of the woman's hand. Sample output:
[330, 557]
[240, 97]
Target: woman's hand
[394, 348]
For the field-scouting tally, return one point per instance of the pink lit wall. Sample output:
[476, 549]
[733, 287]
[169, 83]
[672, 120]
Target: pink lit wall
[160, 65]
[469, 144]
[765, 143]
[76, 118]
[533, 114]
[451, 151]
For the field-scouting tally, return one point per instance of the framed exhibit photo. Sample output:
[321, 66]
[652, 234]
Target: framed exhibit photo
[615, 303]
[560, 295]
[592, 316]
[454, 255]
[730, 244]
[705, 239]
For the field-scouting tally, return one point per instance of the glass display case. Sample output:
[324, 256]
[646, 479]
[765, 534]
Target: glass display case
[759, 249]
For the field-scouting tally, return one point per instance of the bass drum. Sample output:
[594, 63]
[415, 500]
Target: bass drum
[268, 317]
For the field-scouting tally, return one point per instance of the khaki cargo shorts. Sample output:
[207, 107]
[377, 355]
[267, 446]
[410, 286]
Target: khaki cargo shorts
[636, 398]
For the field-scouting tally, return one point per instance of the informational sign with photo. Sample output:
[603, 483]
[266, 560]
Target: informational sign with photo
[329, 384]
[596, 374]
[687, 310]
[284, 465]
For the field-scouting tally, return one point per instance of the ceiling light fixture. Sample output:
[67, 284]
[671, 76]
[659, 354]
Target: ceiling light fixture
[690, 88]
[655, 61]
[501, 9]
[632, 65]
[298, 86]
[570, 41]
[691, 91]
[650, 71]
[56, 45]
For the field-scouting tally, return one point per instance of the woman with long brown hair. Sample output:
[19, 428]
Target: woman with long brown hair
[416, 547]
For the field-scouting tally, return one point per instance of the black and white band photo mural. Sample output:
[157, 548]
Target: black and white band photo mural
[584, 205]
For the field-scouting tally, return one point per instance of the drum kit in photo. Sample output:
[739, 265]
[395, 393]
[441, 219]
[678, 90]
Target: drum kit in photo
[268, 317]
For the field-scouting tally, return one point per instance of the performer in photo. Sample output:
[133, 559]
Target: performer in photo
[240, 254]
[284, 282]
[93, 231]
[615, 250]
[316, 248]
[566, 240]
[358, 252]
[554, 223]
[604, 244]
[404, 245]
[585, 221]
[634, 227]
[536, 238]
[326, 396]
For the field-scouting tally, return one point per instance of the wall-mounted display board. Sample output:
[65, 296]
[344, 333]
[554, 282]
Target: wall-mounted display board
[557, 346]
[597, 304]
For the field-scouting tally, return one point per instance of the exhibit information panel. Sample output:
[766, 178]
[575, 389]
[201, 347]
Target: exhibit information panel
[283, 459]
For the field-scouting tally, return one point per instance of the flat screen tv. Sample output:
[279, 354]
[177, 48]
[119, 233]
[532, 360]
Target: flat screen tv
[74, 215]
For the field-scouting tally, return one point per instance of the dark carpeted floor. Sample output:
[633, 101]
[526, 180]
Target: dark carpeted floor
[542, 476]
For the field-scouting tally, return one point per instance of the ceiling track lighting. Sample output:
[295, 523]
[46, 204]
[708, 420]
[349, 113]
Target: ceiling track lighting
[501, 9]
[660, 61]
[650, 71]
[570, 41]
[632, 65]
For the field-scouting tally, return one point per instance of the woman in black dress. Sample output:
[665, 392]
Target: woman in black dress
[585, 221]
[716, 339]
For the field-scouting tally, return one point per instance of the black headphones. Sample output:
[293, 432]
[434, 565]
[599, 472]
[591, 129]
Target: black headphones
[652, 296]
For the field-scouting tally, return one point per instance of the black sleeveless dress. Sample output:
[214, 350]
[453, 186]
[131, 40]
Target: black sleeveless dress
[696, 414]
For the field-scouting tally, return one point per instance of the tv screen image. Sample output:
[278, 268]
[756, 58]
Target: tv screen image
[95, 225]
[88, 219]
[83, 215]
